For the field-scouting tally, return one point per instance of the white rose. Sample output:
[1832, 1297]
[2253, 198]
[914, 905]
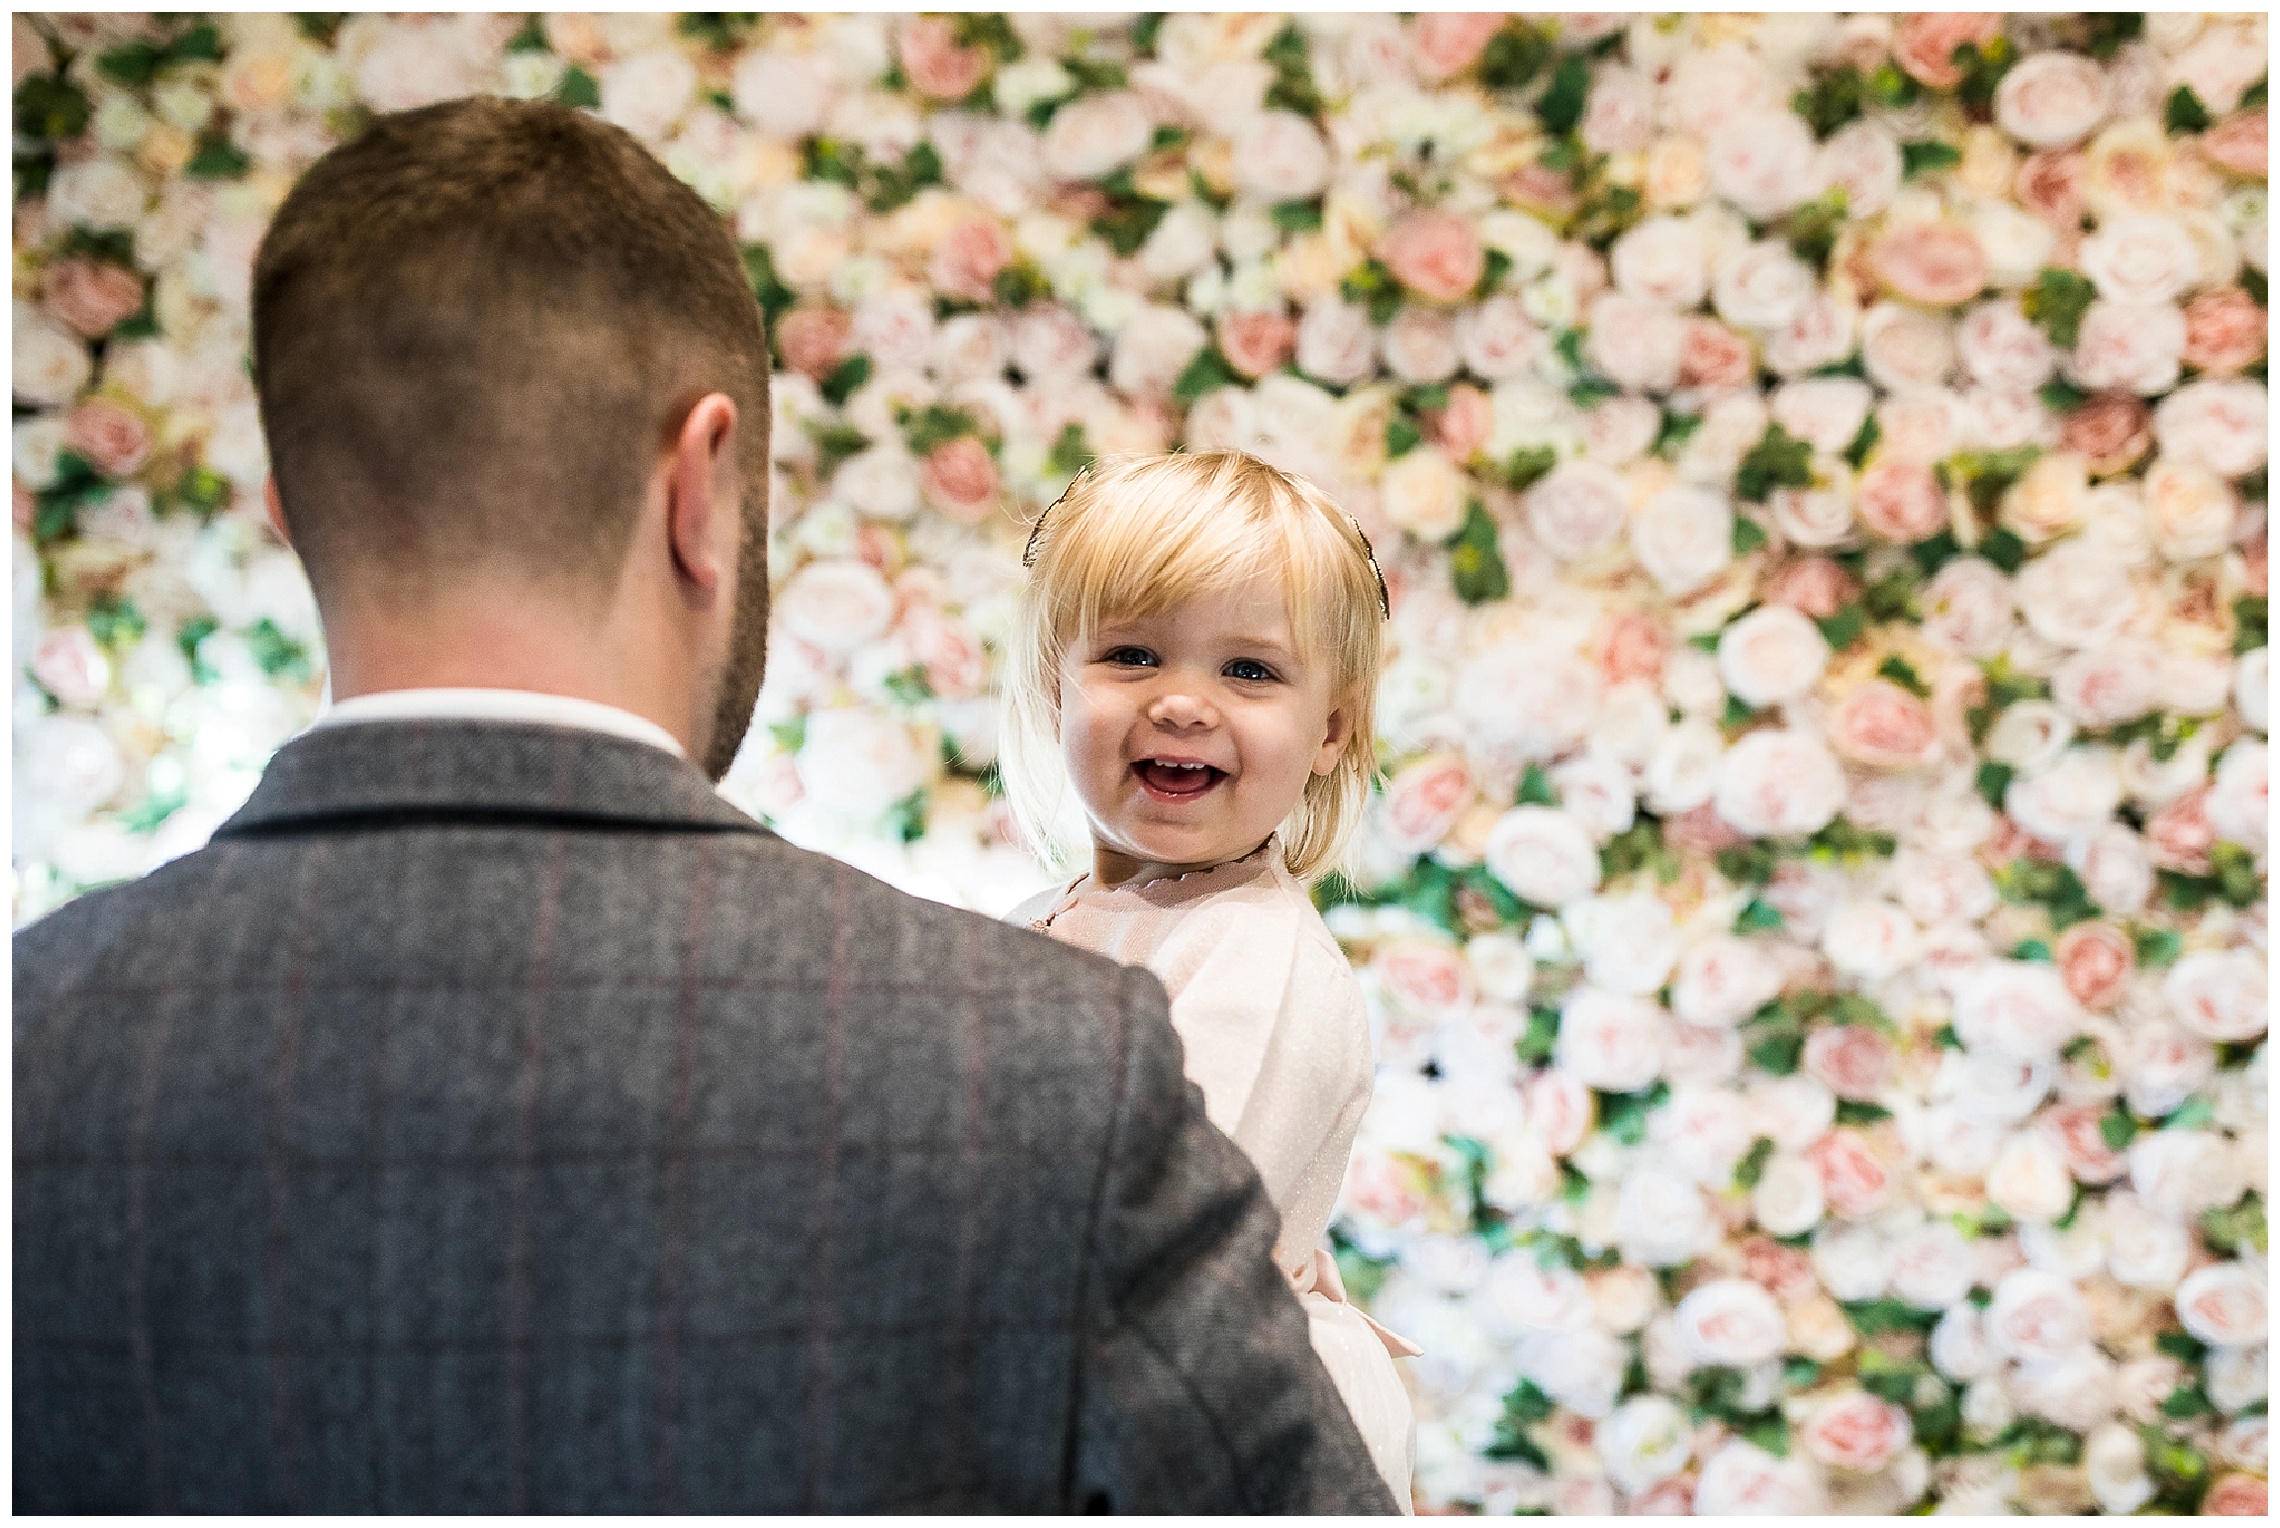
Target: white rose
[1792, 1112]
[1958, 1346]
[2145, 1249]
[2219, 994]
[1942, 888]
[2252, 678]
[1544, 855]
[2162, 1066]
[1618, 431]
[1682, 772]
[1611, 1041]
[2224, 1305]
[1732, 1323]
[1967, 608]
[1684, 538]
[1820, 334]
[2052, 100]
[1852, 1262]
[1869, 940]
[1662, 1219]
[95, 193]
[1988, 1089]
[1577, 509]
[2001, 348]
[1153, 348]
[2020, 1010]
[1661, 260]
[782, 95]
[1932, 1266]
[1743, 1480]
[1619, 117]
[2239, 797]
[1424, 494]
[2190, 509]
[2135, 347]
[2218, 424]
[1540, 700]
[1580, 1368]
[1765, 163]
[2140, 260]
[2030, 736]
[2237, 1377]
[51, 364]
[647, 93]
[2075, 1389]
[1501, 966]
[881, 483]
[2106, 686]
[1762, 286]
[1824, 412]
[1182, 242]
[1902, 347]
[1280, 157]
[1703, 1130]
[2036, 1316]
[1635, 343]
[2016, 242]
[838, 606]
[1496, 338]
[1536, 1296]
[1646, 1440]
[2070, 800]
[1421, 345]
[1722, 980]
[1863, 160]
[1629, 943]
[2029, 1180]
[2183, 1172]
[2074, 596]
[1779, 785]
[1335, 341]
[1815, 517]
[1788, 1198]
[856, 762]
[2113, 1457]
[1094, 134]
[1596, 790]
[1624, 1299]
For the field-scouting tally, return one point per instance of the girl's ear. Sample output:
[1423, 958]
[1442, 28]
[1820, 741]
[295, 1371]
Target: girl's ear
[1335, 733]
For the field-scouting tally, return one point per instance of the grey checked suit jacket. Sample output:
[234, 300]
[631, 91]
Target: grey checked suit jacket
[493, 1119]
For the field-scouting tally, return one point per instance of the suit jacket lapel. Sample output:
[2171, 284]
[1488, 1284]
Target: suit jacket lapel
[383, 774]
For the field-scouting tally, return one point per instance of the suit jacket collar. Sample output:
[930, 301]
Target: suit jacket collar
[386, 774]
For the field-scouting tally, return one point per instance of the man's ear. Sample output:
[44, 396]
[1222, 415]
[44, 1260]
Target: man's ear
[276, 508]
[1334, 736]
[702, 517]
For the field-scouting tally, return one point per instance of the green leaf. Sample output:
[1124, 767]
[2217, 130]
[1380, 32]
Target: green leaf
[1777, 1047]
[1844, 628]
[1144, 29]
[1992, 781]
[2257, 94]
[2005, 550]
[2234, 1229]
[2031, 949]
[188, 635]
[1750, 864]
[909, 686]
[1748, 535]
[2180, 1346]
[1402, 435]
[1071, 453]
[1624, 1115]
[1927, 156]
[1832, 100]
[279, 655]
[1297, 217]
[114, 622]
[1523, 467]
[2061, 397]
[1372, 285]
[1476, 561]
[1983, 69]
[1536, 788]
[2184, 112]
[2252, 615]
[1676, 430]
[845, 378]
[1852, 1111]
[719, 31]
[932, 426]
[2190, 1115]
[1738, 713]
[1813, 228]
[760, 269]
[1777, 460]
[1562, 104]
[1293, 89]
[2104, 32]
[531, 39]
[578, 88]
[216, 158]
[1514, 56]
[1752, 1167]
[50, 109]
[1126, 227]
[1639, 847]
[1874, 1318]
[834, 443]
[1903, 673]
[1209, 370]
[1864, 441]
[1543, 1037]
[2188, 1401]
[1756, 917]
[2157, 947]
[2056, 303]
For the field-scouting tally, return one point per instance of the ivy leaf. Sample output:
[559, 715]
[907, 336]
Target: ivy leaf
[1757, 917]
[2158, 946]
[2116, 1128]
[1536, 789]
[1863, 442]
[1748, 535]
[1992, 781]
[1562, 104]
[217, 158]
[845, 378]
[1543, 1036]
[1777, 460]
[2056, 303]
[1927, 156]
[1207, 371]
[2184, 112]
[578, 88]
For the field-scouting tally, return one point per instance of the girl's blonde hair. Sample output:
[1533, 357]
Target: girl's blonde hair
[1135, 537]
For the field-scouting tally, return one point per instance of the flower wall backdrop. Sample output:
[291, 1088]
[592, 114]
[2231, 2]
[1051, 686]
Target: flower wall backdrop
[1816, 912]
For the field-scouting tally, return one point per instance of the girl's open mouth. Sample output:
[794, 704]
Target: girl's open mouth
[1176, 782]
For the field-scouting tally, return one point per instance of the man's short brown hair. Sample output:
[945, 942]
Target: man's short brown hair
[475, 327]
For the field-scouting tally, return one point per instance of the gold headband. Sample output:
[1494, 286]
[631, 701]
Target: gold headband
[1385, 604]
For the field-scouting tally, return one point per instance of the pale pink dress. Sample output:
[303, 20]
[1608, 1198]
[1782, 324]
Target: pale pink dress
[1278, 1040]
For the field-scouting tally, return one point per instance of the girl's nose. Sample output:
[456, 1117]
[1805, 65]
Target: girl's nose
[1178, 708]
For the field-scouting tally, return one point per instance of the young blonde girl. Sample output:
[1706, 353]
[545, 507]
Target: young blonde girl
[1189, 700]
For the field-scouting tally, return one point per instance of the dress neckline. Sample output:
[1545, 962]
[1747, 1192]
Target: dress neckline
[1077, 890]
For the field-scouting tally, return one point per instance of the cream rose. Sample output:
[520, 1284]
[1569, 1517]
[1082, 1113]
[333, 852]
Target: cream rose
[1743, 1480]
[1661, 260]
[1764, 163]
[1684, 538]
[2191, 510]
[2140, 261]
[1932, 1266]
[1335, 341]
[1635, 343]
[2106, 686]
[1544, 855]
[2075, 596]
[2136, 348]
[2239, 798]
[2020, 1010]
[2183, 1172]
[1762, 286]
[1094, 134]
[2162, 1066]
[1863, 160]
[1421, 345]
[1611, 1041]
[2029, 1179]
[1645, 1441]
[1732, 1323]
[1779, 785]
[1496, 338]
[2224, 1305]
[2219, 995]
[2144, 1249]
[2052, 100]
[2070, 800]
[1722, 980]
[836, 605]
[1577, 509]
[1824, 412]
[2036, 1316]
[2219, 425]
[1153, 348]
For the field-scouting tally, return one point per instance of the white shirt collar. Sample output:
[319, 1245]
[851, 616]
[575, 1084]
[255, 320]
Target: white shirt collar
[499, 706]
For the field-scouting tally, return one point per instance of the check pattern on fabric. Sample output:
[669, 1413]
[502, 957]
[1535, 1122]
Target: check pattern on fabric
[493, 1119]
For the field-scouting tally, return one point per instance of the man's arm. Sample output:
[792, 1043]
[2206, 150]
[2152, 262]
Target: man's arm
[1198, 1391]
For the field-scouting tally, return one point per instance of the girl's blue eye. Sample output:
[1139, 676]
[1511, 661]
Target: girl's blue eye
[1132, 657]
[1249, 668]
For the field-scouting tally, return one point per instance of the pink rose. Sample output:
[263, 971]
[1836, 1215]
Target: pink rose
[2178, 837]
[1853, 1178]
[1924, 43]
[1816, 586]
[1435, 254]
[1386, 1188]
[2036, 1315]
[2001, 349]
[1577, 509]
[962, 479]
[967, 261]
[2132, 348]
[1636, 343]
[1279, 156]
[2095, 960]
[1856, 1431]
[2016, 1010]
[812, 340]
[1630, 646]
[2219, 995]
[1937, 263]
[1447, 43]
[951, 650]
[1901, 501]
[1421, 345]
[935, 64]
[2237, 1494]
[1730, 1322]
[1619, 118]
[1497, 338]
[1464, 425]
[2140, 260]
[2049, 185]
[1427, 978]
[2052, 100]
[1335, 341]
[111, 437]
[2078, 1131]
[1779, 785]
[70, 665]
[1764, 162]
[1850, 1060]
[1559, 1110]
[93, 297]
[1424, 800]
[2224, 1305]
[2224, 331]
[2239, 143]
[1883, 726]
[1256, 343]
[1715, 357]
[1094, 134]
[2220, 425]
[2109, 431]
